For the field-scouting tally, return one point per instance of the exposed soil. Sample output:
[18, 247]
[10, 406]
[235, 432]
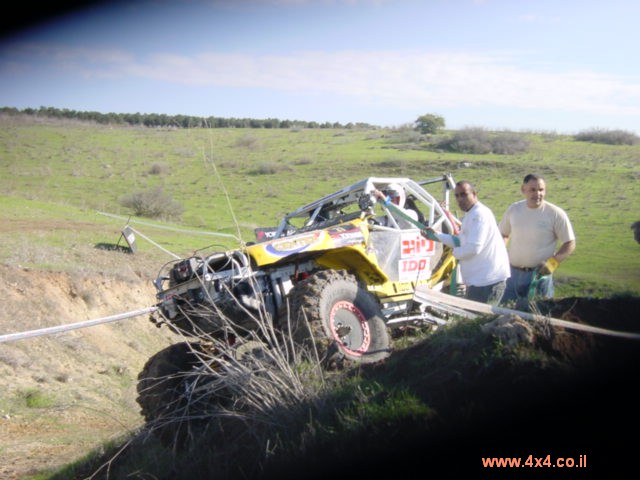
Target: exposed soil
[85, 380]
[65, 394]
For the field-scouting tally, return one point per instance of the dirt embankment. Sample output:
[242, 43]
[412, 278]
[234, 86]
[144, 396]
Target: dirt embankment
[63, 395]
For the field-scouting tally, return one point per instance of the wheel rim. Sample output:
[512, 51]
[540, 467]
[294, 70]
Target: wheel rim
[350, 328]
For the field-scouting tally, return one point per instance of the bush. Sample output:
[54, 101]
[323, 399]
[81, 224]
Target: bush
[158, 169]
[467, 140]
[405, 135]
[37, 399]
[509, 143]
[248, 141]
[153, 204]
[479, 141]
[270, 168]
[608, 137]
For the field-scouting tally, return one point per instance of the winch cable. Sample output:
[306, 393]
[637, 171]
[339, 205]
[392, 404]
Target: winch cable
[10, 337]
[172, 229]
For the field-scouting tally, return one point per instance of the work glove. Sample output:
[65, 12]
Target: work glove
[548, 267]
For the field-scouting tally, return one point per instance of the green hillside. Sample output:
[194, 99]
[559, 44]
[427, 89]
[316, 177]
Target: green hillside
[230, 180]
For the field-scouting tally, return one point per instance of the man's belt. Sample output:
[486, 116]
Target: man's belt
[524, 269]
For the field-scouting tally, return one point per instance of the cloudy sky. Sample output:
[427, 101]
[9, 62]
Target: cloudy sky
[542, 65]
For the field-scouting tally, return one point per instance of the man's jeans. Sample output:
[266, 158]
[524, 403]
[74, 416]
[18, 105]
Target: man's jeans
[490, 294]
[518, 286]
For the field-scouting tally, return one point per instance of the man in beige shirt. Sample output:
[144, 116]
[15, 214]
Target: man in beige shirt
[539, 236]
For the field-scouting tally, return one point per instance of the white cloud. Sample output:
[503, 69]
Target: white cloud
[394, 78]
[403, 79]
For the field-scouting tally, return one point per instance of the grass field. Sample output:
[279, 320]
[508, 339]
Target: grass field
[62, 173]
[64, 395]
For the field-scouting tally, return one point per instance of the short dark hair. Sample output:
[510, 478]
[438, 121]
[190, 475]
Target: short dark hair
[532, 176]
[466, 182]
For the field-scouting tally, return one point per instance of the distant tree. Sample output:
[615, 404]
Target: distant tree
[429, 123]
[155, 120]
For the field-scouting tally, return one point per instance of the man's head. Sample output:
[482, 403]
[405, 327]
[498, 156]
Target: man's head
[466, 195]
[534, 189]
[396, 193]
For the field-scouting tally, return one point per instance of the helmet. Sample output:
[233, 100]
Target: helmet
[394, 191]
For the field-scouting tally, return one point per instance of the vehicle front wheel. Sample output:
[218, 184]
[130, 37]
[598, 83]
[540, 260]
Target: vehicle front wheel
[336, 315]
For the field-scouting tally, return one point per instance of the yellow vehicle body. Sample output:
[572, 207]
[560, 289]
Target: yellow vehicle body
[353, 246]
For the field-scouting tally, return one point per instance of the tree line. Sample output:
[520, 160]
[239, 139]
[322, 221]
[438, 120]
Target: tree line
[175, 121]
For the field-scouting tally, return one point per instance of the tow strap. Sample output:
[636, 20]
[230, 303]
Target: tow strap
[453, 285]
[394, 208]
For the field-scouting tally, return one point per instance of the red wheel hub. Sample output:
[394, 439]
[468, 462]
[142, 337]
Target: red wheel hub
[349, 327]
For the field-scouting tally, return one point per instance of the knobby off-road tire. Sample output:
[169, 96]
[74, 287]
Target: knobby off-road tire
[161, 378]
[179, 394]
[162, 386]
[336, 315]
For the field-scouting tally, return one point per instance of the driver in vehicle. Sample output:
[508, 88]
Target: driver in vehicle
[395, 194]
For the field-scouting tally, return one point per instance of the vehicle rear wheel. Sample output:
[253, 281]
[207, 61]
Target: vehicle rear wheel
[339, 317]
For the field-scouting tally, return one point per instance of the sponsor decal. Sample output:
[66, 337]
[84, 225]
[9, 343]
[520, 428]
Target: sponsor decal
[411, 269]
[415, 253]
[347, 234]
[415, 245]
[267, 233]
[288, 245]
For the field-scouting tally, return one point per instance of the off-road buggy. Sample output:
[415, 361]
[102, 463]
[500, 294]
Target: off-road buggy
[346, 264]
[335, 275]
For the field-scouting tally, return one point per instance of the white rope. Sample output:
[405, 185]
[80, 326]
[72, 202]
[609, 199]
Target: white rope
[420, 294]
[432, 295]
[10, 337]
[154, 243]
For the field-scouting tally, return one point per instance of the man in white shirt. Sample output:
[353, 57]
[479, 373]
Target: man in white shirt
[479, 247]
[533, 229]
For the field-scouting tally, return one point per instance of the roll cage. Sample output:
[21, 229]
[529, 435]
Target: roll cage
[358, 201]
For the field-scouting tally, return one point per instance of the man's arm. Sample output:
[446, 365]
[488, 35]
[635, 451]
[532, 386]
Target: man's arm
[448, 240]
[565, 250]
[551, 263]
